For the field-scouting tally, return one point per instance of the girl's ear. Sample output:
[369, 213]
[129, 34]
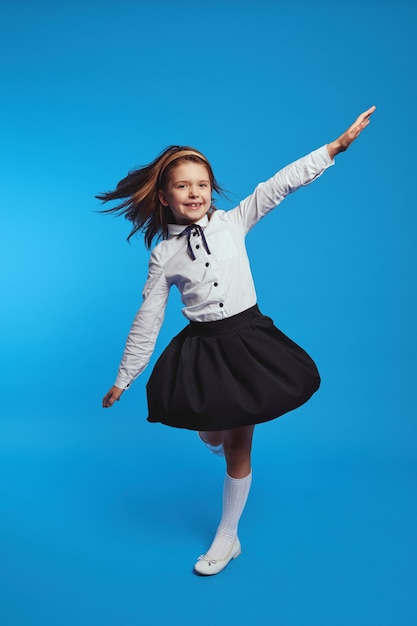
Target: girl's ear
[162, 198]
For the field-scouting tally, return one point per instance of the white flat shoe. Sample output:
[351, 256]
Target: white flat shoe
[209, 567]
[217, 450]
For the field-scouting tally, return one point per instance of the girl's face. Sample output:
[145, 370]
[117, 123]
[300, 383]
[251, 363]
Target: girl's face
[188, 192]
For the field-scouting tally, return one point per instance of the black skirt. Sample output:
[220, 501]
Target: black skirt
[233, 372]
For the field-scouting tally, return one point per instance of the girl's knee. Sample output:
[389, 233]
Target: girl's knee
[238, 442]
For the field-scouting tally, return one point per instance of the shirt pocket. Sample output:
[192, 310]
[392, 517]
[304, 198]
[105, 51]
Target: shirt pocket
[222, 246]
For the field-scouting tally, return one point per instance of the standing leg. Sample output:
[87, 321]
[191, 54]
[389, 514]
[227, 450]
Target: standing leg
[237, 445]
[237, 448]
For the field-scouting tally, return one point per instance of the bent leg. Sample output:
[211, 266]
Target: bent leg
[213, 437]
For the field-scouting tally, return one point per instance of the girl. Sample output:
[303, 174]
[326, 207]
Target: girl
[230, 368]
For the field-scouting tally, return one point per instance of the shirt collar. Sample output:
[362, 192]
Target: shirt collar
[177, 229]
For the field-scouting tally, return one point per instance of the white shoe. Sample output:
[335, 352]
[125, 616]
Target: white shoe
[217, 450]
[208, 567]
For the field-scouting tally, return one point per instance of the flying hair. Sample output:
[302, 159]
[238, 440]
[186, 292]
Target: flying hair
[139, 189]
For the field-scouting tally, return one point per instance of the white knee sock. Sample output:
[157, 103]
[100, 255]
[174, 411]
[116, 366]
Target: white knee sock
[235, 494]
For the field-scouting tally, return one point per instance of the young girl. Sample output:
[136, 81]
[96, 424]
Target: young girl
[230, 368]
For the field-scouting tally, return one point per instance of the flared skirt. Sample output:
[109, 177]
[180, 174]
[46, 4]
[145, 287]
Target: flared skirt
[234, 372]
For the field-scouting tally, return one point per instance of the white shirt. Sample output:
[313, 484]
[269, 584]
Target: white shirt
[215, 285]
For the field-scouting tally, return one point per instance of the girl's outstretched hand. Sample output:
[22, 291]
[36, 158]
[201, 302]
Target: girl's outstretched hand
[111, 397]
[343, 142]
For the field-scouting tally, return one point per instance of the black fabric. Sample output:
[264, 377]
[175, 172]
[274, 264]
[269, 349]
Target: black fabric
[233, 372]
[196, 230]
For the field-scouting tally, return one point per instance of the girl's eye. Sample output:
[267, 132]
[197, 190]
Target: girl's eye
[203, 184]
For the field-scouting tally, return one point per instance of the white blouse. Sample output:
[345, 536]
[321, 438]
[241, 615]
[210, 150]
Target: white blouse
[218, 283]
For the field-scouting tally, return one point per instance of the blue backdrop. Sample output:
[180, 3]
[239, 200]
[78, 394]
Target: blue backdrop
[102, 514]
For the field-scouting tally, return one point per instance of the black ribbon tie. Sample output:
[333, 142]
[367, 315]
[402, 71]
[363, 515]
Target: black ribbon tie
[193, 229]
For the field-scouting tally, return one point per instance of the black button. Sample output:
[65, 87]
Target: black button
[221, 304]
[195, 234]
[207, 264]
[215, 284]
[197, 246]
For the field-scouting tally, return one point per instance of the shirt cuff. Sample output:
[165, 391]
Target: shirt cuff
[324, 154]
[122, 382]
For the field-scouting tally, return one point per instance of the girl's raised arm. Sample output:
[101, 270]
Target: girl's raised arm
[343, 142]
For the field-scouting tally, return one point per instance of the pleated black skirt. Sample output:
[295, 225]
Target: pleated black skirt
[233, 372]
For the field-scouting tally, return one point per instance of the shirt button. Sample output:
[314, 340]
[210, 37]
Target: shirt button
[221, 304]
[215, 284]
[195, 234]
[207, 264]
[197, 246]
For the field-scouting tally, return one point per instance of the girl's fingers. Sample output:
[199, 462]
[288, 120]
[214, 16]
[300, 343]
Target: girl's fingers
[367, 114]
[363, 118]
[111, 397]
[107, 401]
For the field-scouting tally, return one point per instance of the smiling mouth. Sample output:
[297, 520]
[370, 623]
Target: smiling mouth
[194, 205]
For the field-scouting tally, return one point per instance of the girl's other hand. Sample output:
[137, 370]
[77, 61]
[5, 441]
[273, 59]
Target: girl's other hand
[343, 142]
[111, 397]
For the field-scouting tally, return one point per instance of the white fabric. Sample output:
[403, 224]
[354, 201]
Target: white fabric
[235, 495]
[213, 286]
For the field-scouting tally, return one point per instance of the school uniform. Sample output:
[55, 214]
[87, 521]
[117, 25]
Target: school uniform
[230, 366]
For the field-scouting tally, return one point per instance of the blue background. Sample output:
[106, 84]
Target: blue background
[102, 514]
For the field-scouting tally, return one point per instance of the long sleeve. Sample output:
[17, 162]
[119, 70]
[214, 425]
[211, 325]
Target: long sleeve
[269, 194]
[145, 328]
